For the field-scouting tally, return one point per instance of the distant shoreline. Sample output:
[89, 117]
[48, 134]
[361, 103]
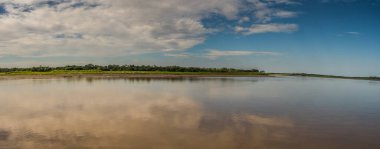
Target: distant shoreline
[325, 76]
[159, 74]
[125, 74]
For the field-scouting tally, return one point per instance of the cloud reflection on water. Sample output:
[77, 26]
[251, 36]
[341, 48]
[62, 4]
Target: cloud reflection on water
[60, 117]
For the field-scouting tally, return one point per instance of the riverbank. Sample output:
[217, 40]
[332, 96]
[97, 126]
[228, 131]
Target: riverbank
[158, 74]
[124, 74]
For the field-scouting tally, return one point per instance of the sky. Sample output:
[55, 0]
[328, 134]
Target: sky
[337, 37]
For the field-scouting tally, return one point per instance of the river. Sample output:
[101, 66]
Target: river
[193, 113]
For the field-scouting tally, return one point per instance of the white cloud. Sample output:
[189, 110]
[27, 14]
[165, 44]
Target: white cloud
[113, 27]
[244, 19]
[267, 28]
[239, 29]
[263, 12]
[213, 54]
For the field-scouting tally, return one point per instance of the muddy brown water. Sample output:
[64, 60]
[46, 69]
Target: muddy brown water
[194, 113]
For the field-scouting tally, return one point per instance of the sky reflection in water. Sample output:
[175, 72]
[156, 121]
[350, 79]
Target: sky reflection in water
[222, 113]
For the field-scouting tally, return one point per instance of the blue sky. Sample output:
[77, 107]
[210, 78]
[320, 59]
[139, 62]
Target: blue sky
[338, 37]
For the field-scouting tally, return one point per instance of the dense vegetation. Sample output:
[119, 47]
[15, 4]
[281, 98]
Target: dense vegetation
[126, 68]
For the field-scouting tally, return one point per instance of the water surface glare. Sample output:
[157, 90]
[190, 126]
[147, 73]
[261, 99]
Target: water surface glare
[203, 113]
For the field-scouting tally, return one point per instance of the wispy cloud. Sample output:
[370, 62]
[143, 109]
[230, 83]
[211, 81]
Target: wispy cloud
[348, 34]
[293, 2]
[267, 28]
[266, 11]
[285, 14]
[344, 1]
[352, 33]
[214, 54]
[180, 55]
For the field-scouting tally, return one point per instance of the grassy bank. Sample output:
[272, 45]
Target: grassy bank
[84, 72]
[58, 73]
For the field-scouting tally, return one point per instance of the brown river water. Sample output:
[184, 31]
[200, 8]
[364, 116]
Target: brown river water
[197, 113]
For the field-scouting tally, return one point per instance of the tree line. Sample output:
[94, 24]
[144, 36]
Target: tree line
[128, 68]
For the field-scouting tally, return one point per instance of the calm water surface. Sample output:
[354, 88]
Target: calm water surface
[204, 113]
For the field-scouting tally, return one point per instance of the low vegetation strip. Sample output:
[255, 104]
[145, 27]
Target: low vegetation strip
[130, 70]
[134, 70]
[84, 72]
[90, 68]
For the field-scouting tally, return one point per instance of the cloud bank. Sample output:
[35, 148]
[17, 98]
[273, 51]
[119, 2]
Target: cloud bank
[123, 27]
